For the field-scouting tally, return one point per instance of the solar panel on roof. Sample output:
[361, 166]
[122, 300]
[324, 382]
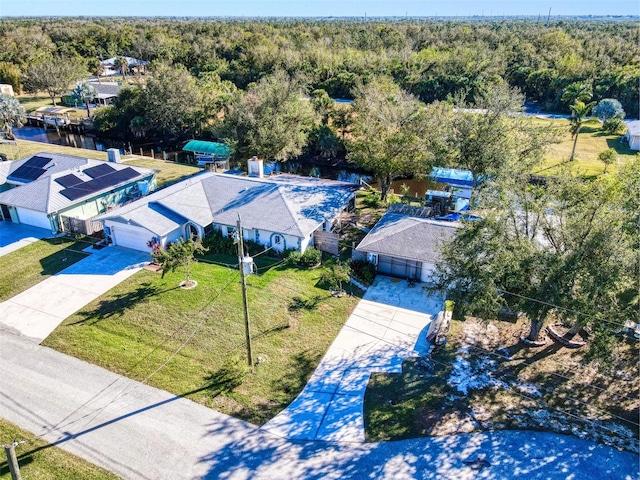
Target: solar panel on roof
[73, 193]
[26, 172]
[99, 170]
[37, 161]
[68, 180]
[123, 175]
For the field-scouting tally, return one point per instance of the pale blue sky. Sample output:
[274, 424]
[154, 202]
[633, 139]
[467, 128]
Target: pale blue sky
[316, 8]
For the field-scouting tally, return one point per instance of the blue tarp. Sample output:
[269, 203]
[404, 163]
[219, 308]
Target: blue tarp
[452, 176]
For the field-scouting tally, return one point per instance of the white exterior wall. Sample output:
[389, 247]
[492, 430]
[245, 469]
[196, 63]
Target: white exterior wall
[33, 218]
[306, 243]
[428, 269]
[634, 142]
[172, 236]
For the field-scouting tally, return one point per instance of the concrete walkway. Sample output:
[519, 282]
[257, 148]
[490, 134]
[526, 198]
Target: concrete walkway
[139, 432]
[14, 236]
[37, 311]
[386, 327]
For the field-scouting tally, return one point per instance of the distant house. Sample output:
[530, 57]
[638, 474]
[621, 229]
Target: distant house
[281, 212]
[134, 65]
[56, 192]
[633, 134]
[106, 93]
[407, 246]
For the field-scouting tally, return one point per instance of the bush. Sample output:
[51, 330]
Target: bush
[216, 243]
[372, 200]
[363, 271]
[333, 277]
[310, 258]
[614, 126]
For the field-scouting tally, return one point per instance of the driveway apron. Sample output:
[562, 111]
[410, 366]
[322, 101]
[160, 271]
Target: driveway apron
[387, 326]
[37, 311]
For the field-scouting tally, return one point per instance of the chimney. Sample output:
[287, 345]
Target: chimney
[255, 166]
[113, 154]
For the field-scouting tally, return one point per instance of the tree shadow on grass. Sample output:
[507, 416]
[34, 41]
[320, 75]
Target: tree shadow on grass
[297, 373]
[58, 261]
[117, 304]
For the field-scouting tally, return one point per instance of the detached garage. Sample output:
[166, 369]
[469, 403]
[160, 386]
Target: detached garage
[406, 246]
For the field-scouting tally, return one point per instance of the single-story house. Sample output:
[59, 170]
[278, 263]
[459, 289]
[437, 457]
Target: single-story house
[134, 64]
[406, 246]
[46, 190]
[633, 134]
[281, 212]
[106, 93]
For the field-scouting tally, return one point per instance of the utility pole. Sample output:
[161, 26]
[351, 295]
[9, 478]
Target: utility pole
[243, 281]
[548, 17]
[12, 460]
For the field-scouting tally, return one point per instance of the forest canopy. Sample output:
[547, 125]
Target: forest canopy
[430, 59]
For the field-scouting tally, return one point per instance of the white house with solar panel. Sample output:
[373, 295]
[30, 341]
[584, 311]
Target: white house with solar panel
[64, 192]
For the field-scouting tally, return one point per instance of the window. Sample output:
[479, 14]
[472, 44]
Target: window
[277, 239]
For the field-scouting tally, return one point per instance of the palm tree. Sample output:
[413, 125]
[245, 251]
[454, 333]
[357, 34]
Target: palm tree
[85, 93]
[579, 112]
[11, 113]
[121, 64]
[97, 68]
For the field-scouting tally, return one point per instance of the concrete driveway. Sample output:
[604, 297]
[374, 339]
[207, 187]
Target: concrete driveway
[14, 236]
[387, 326]
[36, 312]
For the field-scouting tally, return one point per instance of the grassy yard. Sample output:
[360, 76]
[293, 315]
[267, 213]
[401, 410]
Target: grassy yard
[139, 324]
[485, 379]
[591, 142]
[170, 172]
[39, 460]
[29, 265]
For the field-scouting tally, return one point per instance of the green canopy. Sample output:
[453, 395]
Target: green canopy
[208, 148]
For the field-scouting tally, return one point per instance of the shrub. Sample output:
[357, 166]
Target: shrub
[372, 200]
[614, 126]
[310, 258]
[364, 271]
[216, 243]
[333, 277]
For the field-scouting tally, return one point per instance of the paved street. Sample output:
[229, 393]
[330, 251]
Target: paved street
[140, 432]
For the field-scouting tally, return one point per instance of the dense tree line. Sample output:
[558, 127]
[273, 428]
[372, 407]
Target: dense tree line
[430, 59]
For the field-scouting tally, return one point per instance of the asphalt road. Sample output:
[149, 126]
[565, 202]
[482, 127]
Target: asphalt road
[140, 432]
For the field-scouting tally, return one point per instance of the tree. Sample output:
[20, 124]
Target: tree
[172, 102]
[608, 108]
[579, 112]
[11, 74]
[96, 68]
[11, 113]
[271, 119]
[490, 143]
[53, 76]
[608, 157]
[390, 133]
[122, 64]
[578, 91]
[179, 254]
[322, 104]
[84, 93]
[564, 248]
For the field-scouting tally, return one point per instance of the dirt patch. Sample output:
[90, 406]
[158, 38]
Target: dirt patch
[485, 378]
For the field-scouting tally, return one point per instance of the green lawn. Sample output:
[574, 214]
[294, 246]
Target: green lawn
[139, 324]
[29, 265]
[169, 171]
[591, 142]
[39, 460]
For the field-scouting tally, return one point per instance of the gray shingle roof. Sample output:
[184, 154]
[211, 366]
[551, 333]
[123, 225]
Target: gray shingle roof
[283, 204]
[43, 194]
[408, 237]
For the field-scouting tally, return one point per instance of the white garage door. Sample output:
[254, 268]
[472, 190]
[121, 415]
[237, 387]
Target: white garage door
[33, 218]
[130, 237]
[399, 267]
